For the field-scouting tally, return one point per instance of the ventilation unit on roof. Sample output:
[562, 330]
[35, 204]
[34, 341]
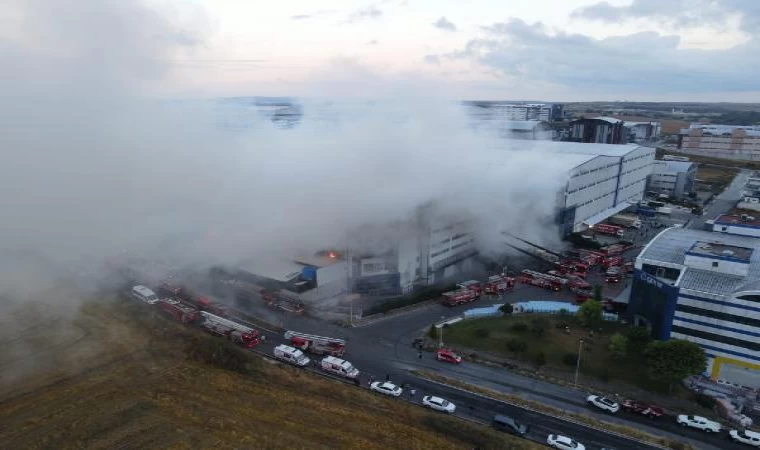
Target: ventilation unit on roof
[727, 253]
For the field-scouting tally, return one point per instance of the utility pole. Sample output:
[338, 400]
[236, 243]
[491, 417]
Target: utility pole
[578, 362]
[440, 335]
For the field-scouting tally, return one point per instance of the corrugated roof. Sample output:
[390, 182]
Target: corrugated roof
[581, 148]
[670, 246]
[679, 166]
[611, 120]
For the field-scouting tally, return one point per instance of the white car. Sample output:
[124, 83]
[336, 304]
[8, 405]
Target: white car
[564, 443]
[439, 404]
[746, 437]
[699, 422]
[603, 403]
[387, 388]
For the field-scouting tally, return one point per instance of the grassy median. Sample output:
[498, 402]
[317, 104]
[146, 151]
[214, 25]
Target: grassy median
[128, 378]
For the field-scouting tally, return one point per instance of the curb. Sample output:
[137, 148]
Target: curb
[564, 419]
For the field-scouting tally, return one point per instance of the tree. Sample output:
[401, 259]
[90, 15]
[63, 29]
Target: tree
[506, 309]
[638, 338]
[618, 346]
[598, 293]
[590, 313]
[674, 360]
[433, 332]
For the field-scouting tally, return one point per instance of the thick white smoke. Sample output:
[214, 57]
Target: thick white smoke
[95, 163]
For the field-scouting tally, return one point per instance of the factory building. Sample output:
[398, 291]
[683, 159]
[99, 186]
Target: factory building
[603, 180]
[743, 225]
[672, 178]
[599, 130]
[703, 287]
[528, 111]
[721, 141]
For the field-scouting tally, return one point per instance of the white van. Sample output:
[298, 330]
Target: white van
[339, 367]
[291, 355]
[144, 294]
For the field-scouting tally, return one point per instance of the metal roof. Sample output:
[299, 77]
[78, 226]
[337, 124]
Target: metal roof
[671, 245]
[580, 148]
[679, 166]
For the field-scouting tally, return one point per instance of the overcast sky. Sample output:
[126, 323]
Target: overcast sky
[479, 49]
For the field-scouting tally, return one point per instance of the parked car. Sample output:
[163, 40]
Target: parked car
[650, 411]
[699, 423]
[509, 425]
[387, 388]
[438, 404]
[603, 403]
[746, 437]
[447, 355]
[564, 443]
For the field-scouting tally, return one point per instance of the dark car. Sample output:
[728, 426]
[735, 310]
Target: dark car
[509, 425]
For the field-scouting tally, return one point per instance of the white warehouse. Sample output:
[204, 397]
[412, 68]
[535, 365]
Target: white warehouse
[604, 179]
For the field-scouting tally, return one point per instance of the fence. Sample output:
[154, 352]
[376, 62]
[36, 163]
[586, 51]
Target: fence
[542, 307]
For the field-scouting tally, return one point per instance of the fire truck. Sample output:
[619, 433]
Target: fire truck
[178, 310]
[179, 292]
[283, 300]
[542, 280]
[606, 228]
[472, 285]
[458, 297]
[318, 345]
[238, 333]
[498, 284]
[612, 262]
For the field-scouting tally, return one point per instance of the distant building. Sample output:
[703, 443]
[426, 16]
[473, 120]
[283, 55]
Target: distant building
[528, 111]
[743, 225]
[703, 287]
[721, 141]
[528, 129]
[672, 178]
[643, 132]
[599, 130]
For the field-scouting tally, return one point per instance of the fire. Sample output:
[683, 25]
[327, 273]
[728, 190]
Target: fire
[332, 255]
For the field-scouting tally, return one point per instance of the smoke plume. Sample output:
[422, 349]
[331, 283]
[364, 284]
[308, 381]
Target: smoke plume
[95, 162]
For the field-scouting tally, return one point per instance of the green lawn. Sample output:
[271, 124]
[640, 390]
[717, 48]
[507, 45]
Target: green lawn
[502, 335]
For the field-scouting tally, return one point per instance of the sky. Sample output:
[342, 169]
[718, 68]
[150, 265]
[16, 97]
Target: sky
[555, 50]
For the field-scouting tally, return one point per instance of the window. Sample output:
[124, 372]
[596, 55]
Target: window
[750, 297]
[719, 315]
[715, 264]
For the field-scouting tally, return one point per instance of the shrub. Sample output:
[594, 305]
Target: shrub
[520, 327]
[570, 359]
[433, 333]
[538, 326]
[506, 308]
[540, 359]
[618, 346]
[705, 401]
[563, 313]
[482, 333]
[517, 345]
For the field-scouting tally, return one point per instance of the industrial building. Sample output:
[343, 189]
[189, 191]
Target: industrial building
[528, 111]
[721, 141]
[672, 178]
[599, 130]
[643, 132]
[533, 130]
[703, 287]
[743, 225]
[602, 180]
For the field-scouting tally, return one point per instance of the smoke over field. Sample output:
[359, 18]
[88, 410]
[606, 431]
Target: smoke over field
[95, 161]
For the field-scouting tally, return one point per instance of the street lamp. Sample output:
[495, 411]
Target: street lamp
[440, 334]
[578, 362]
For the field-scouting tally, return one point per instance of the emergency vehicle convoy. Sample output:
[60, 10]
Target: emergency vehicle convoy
[318, 345]
[542, 280]
[498, 284]
[612, 230]
[235, 332]
[178, 310]
[472, 285]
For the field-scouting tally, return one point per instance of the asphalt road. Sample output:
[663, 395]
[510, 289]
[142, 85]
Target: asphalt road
[723, 201]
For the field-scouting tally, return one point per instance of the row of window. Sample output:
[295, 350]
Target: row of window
[454, 247]
[743, 320]
[754, 346]
[590, 185]
[586, 172]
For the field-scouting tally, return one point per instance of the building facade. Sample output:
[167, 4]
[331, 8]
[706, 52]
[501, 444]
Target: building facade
[703, 287]
[527, 111]
[721, 141]
[643, 132]
[672, 178]
[599, 130]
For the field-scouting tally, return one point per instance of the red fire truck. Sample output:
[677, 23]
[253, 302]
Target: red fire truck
[236, 332]
[606, 228]
[458, 297]
[178, 310]
[283, 300]
[613, 261]
[472, 285]
[318, 345]
[542, 280]
[498, 284]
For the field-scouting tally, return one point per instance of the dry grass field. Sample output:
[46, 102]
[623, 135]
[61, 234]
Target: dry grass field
[115, 375]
